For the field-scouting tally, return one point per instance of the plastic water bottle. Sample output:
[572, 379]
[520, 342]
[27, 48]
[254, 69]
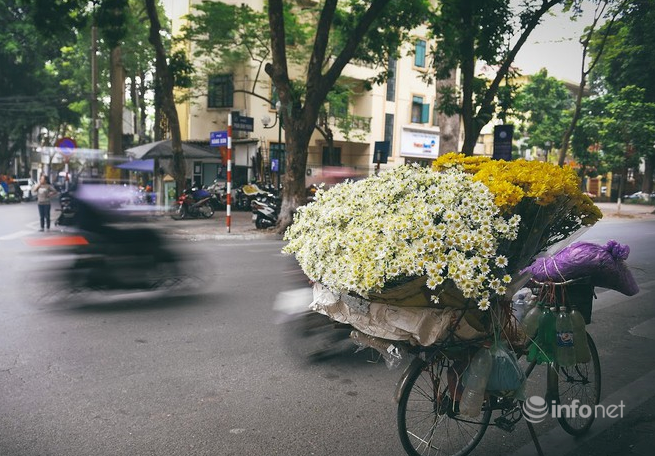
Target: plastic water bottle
[478, 374]
[543, 348]
[565, 351]
[582, 352]
[549, 334]
[532, 319]
[519, 306]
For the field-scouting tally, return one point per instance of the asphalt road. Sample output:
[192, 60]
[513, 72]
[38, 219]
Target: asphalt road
[214, 372]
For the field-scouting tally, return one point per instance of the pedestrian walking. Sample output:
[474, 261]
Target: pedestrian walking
[44, 191]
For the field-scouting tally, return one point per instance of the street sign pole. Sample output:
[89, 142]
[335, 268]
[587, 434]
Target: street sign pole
[228, 206]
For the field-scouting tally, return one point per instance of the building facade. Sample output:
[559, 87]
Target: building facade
[401, 112]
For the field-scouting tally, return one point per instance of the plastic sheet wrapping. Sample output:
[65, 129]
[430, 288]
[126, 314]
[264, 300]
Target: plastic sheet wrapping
[604, 264]
[506, 374]
[391, 353]
[416, 325]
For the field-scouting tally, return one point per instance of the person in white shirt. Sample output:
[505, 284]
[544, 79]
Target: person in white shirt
[44, 192]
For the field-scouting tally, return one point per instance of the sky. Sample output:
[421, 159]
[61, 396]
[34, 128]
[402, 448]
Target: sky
[555, 45]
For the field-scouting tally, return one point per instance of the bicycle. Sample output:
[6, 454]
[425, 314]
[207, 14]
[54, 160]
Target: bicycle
[427, 394]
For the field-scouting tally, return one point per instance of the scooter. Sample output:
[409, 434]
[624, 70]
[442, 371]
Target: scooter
[246, 194]
[218, 192]
[109, 257]
[310, 336]
[67, 210]
[193, 204]
[265, 211]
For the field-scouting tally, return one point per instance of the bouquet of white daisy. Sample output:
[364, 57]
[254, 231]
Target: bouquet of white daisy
[410, 228]
[410, 222]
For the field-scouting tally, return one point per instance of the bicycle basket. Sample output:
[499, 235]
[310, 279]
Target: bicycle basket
[581, 295]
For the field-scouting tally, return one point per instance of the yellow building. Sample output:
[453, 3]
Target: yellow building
[400, 111]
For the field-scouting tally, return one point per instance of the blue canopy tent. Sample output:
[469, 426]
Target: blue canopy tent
[146, 166]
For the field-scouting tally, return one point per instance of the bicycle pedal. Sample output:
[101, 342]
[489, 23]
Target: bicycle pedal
[505, 424]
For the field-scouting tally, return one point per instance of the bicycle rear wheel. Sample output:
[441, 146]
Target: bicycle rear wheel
[428, 422]
[580, 383]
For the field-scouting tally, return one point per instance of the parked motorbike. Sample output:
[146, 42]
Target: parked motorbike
[12, 194]
[265, 211]
[67, 210]
[194, 203]
[218, 191]
[246, 194]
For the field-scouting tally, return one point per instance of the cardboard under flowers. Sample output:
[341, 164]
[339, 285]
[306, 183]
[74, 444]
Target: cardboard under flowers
[415, 293]
[416, 325]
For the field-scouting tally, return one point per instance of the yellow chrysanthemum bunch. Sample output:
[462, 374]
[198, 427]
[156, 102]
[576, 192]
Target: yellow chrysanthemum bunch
[511, 182]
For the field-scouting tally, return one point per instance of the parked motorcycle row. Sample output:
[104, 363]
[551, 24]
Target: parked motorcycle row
[262, 200]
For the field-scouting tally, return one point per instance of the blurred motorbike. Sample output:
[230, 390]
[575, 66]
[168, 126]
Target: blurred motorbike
[310, 335]
[193, 203]
[109, 257]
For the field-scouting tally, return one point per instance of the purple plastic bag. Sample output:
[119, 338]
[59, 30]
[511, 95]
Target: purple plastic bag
[604, 264]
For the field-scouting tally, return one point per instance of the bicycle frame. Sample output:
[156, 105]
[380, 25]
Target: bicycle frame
[563, 385]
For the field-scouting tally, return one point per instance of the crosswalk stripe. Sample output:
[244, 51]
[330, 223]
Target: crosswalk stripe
[16, 235]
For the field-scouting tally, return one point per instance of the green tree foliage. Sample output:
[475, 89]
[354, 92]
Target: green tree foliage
[629, 54]
[31, 92]
[303, 48]
[344, 31]
[615, 131]
[112, 20]
[471, 31]
[629, 60]
[546, 105]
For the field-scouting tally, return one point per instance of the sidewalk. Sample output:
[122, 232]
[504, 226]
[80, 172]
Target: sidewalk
[628, 211]
[241, 227]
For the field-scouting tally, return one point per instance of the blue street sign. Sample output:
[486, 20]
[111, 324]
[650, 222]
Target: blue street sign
[218, 138]
[275, 165]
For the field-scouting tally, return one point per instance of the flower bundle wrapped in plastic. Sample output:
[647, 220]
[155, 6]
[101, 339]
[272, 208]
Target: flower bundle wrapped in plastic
[380, 232]
[547, 198]
[405, 254]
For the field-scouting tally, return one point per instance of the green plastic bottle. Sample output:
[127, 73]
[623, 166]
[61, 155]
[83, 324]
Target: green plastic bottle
[543, 348]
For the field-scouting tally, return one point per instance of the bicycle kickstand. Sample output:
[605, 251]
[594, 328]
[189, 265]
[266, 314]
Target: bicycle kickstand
[535, 439]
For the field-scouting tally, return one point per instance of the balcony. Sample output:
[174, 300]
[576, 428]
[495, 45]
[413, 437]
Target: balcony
[349, 128]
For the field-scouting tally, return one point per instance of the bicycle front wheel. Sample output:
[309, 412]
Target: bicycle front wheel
[428, 419]
[580, 384]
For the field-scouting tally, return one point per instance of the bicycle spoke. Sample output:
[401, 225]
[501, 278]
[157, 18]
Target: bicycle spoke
[427, 418]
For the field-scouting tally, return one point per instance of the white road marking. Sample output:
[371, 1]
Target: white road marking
[16, 235]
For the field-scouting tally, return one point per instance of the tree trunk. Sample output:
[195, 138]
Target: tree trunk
[143, 107]
[448, 125]
[294, 191]
[574, 121]
[165, 81]
[474, 122]
[647, 183]
[4, 152]
[116, 104]
[134, 98]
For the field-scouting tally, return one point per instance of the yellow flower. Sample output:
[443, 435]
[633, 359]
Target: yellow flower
[511, 182]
